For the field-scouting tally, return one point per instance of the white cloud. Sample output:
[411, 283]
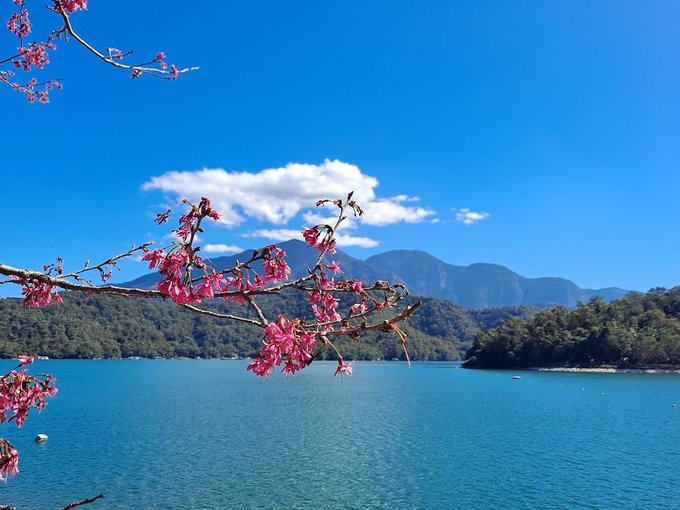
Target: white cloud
[311, 218]
[276, 234]
[221, 248]
[284, 234]
[469, 217]
[361, 242]
[387, 211]
[276, 195]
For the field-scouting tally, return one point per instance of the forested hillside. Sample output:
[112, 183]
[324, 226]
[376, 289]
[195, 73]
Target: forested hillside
[109, 327]
[639, 330]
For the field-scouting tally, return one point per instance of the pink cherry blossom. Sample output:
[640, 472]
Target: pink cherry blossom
[19, 24]
[25, 360]
[9, 460]
[358, 308]
[333, 266]
[311, 235]
[154, 257]
[343, 368]
[70, 6]
[285, 341]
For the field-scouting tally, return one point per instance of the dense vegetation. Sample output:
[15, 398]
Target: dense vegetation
[639, 330]
[109, 327]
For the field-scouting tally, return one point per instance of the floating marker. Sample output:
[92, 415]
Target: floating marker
[41, 438]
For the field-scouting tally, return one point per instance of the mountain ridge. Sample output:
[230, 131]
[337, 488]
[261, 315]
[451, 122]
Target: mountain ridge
[476, 286]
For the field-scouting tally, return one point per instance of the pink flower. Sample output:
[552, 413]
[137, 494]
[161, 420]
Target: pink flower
[25, 360]
[311, 235]
[359, 308]
[333, 266]
[35, 54]
[343, 368]
[9, 460]
[284, 341]
[70, 6]
[115, 53]
[327, 246]
[38, 294]
[155, 258]
[19, 24]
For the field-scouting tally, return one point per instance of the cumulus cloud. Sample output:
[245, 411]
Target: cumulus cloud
[275, 234]
[284, 234]
[221, 248]
[361, 242]
[469, 217]
[277, 195]
[387, 211]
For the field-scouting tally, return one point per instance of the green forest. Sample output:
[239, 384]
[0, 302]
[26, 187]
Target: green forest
[637, 331]
[115, 327]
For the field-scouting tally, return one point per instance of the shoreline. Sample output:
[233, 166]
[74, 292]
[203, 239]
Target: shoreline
[608, 370]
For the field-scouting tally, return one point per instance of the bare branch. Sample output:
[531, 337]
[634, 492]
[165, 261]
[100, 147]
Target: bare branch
[257, 309]
[36, 276]
[83, 502]
[218, 315]
[386, 325]
[162, 73]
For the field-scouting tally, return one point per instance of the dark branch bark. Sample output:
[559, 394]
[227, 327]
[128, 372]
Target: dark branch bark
[83, 502]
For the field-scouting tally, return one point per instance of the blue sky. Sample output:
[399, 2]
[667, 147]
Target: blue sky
[557, 123]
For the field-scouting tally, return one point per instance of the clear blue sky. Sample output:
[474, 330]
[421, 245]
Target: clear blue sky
[557, 123]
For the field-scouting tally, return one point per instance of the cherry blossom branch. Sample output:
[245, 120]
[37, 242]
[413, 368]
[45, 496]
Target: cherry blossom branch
[295, 341]
[115, 55]
[386, 325]
[33, 277]
[35, 54]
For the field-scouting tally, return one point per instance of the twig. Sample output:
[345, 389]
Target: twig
[83, 502]
[149, 70]
[219, 315]
[386, 325]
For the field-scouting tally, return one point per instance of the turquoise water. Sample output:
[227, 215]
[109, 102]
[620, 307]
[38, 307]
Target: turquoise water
[207, 434]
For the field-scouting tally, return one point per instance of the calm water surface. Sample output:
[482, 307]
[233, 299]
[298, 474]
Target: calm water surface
[207, 434]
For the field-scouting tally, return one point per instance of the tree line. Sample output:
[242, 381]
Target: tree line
[638, 330]
[112, 327]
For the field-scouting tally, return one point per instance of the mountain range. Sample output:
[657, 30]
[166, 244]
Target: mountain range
[476, 286]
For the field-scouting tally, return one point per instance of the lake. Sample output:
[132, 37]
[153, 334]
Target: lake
[171, 434]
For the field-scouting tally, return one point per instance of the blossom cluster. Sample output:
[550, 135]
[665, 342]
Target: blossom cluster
[287, 341]
[177, 264]
[18, 393]
[35, 54]
[9, 460]
[320, 237]
[37, 294]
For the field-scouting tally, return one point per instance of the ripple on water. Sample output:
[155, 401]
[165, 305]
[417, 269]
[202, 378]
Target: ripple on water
[206, 434]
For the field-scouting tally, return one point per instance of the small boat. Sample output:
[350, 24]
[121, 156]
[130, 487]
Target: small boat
[516, 377]
[41, 438]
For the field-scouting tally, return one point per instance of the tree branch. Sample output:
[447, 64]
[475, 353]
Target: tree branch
[83, 502]
[111, 61]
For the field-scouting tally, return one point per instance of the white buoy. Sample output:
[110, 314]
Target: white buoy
[41, 438]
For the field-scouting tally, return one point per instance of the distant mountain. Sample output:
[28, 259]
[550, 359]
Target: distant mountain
[473, 286]
[299, 257]
[483, 285]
